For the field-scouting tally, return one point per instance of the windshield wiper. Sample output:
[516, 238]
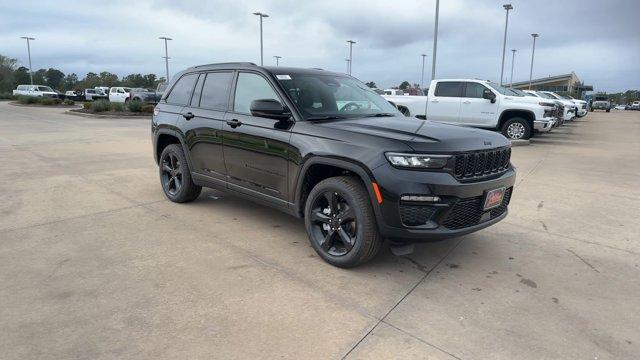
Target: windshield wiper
[328, 117]
[380, 115]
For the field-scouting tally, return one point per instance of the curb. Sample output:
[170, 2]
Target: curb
[520, 142]
[59, 106]
[100, 116]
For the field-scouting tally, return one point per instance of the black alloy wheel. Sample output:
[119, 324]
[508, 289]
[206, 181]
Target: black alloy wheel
[175, 176]
[171, 174]
[334, 226]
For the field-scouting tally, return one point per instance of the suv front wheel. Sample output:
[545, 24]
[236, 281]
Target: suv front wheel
[517, 129]
[340, 222]
[175, 176]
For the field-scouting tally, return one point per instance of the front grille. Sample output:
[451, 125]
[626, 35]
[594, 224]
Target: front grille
[584, 106]
[468, 212]
[549, 113]
[481, 163]
[416, 215]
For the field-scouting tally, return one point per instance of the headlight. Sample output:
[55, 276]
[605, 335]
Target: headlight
[546, 104]
[422, 161]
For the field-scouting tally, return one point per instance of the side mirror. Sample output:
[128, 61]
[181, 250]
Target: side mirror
[489, 95]
[269, 108]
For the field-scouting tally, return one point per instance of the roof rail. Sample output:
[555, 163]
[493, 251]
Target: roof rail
[227, 63]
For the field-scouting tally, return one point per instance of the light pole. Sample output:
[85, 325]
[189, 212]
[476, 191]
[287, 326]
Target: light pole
[29, 53]
[504, 42]
[534, 36]
[351, 42]
[348, 64]
[277, 59]
[435, 42]
[513, 58]
[261, 15]
[166, 54]
[424, 56]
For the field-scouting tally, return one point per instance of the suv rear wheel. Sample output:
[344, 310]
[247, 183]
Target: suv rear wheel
[341, 223]
[175, 176]
[517, 129]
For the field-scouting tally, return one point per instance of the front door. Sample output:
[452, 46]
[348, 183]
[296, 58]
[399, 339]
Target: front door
[474, 109]
[255, 148]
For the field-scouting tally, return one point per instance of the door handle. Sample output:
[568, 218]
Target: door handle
[188, 115]
[466, 102]
[435, 101]
[234, 123]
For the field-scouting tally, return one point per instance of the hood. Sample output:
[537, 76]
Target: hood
[526, 100]
[423, 135]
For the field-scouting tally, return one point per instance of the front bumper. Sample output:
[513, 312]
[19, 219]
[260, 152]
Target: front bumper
[544, 125]
[457, 212]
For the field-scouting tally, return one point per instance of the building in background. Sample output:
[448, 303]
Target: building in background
[563, 84]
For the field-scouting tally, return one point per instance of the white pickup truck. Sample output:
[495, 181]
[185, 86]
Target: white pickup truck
[119, 94]
[35, 90]
[482, 104]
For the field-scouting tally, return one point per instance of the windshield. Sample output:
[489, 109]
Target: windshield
[546, 96]
[45, 88]
[502, 90]
[320, 96]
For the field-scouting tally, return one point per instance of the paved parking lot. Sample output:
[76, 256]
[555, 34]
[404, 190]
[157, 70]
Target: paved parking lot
[96, 264]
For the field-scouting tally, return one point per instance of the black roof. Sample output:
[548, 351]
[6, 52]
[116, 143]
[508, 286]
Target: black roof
[275, 70]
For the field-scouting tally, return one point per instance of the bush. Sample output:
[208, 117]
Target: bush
[148, 109]
[117, 106]
[100, 106]
[86, 105]
[69, 102]
[49, 101]
[135, 105]
[7, 96]
[24, 99]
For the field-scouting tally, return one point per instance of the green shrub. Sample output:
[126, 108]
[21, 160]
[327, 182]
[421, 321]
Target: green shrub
[49, 101]
[69, 102]
[86, 105]
[135, 105]
[24, 99]
[7, 96]
[117, 106]
[148, 109]
[100, 106]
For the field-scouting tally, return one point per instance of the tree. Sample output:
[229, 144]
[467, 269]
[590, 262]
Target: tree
[108, 79]
[21, 76]
[39, 77]
[7, 73]
[70, 82]
[54, 77]
[371, 84]
[404, 85]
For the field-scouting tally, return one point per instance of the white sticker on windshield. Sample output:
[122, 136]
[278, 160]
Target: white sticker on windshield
[283, 77]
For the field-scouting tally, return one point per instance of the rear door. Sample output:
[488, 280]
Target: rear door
[474, 109]
[255, 148]
[445, 104]
[203, 132]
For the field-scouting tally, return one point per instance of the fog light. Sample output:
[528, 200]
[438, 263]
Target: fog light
[422, 198]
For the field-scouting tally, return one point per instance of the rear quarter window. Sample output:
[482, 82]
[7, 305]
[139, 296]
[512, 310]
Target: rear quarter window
[181, 92]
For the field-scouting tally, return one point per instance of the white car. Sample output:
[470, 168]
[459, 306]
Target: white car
[568, 109]
[35, 90]
[581, 104]
[482, 104]
[567, 103]
[119, 94]
[620, 107]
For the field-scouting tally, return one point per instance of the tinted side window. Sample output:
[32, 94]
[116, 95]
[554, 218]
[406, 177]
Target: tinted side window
[215, 94]
[449, 89]
[181, 92]
[251, 87]
[474, 90]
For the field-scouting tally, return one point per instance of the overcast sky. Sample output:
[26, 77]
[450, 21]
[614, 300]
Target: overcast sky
[599, 40]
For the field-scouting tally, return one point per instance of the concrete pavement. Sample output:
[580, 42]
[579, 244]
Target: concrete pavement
[96, 263]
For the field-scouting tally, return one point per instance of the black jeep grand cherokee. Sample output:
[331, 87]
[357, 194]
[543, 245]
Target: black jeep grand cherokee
[323, 146]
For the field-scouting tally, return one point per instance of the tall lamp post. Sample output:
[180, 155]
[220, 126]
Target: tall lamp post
[533, 51]
[277, 59]
[435, 42]
[29, 53]
[348, 64]
[261, 15]
[504, 42]
[166, 54]
[424, 56]
[513, 58]
[351, 42]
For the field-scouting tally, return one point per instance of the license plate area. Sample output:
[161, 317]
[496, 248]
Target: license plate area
[493, 198]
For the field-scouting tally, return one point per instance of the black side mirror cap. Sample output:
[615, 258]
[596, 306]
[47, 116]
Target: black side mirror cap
[489, 95]
[269, 108]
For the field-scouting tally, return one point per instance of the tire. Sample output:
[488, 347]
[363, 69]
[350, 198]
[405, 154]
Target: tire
[353, 216]
[608, 110]
[175, 175]
[517, 128]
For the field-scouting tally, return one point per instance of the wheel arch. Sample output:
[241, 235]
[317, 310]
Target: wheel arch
[509, 114]
[318, 168]
[166, 137]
